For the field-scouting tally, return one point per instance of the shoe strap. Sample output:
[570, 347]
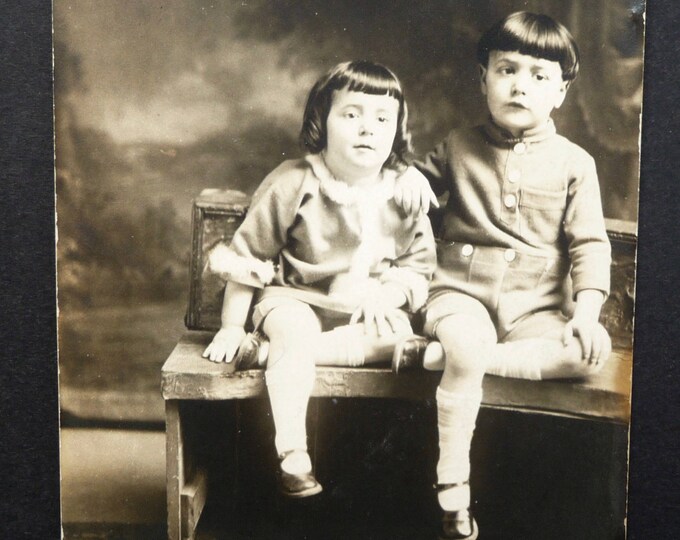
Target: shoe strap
[284, 455]
[444, 487]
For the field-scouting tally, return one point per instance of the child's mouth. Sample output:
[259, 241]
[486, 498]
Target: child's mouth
[364, 147]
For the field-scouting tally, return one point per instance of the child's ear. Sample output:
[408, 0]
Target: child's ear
[562, 94]
[482, 77]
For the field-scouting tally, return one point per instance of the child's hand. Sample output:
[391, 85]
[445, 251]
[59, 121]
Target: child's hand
[225, 344]
[594, 339]
[377, 320]
[380, 310]
[413, 193]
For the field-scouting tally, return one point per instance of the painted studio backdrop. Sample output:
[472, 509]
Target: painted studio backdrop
[157, 100]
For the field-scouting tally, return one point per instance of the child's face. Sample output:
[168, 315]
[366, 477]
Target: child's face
[360, 131]
[521, 90]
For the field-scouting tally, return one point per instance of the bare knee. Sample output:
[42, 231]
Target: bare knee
[291, 322]
[289, 329]
[465, 341]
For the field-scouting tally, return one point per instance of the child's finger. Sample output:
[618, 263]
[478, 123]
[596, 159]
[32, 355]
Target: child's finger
[393, 320]
[213, 355]
[407, 201]
[230, 354]
[384, 329]
[398, 195]
[596, 350]
[354, 319]
[225, 352]
[607, 349]
[424, 203]
[369, 319]
[206, 353]
[431, 198]
[586, 345]
[567, 334]
[605, 346]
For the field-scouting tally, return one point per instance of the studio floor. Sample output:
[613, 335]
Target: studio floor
[113, 484]
[534, 477]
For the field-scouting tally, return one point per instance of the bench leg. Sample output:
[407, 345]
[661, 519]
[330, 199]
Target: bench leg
[174, 468]
[186, 472]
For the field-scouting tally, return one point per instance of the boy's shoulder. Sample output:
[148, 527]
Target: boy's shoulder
[577, 160]
[463, 135]
[465, 132]
[572, 147]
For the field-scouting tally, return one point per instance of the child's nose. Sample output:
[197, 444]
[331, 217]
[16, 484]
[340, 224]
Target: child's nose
[366, 128]
[519, 84]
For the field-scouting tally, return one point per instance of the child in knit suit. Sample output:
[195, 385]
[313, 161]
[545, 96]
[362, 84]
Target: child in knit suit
[523, 213]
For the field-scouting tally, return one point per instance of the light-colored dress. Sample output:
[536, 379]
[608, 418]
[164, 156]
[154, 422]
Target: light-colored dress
[311, 237]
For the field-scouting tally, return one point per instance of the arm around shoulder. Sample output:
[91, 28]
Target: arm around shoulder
[434, 166]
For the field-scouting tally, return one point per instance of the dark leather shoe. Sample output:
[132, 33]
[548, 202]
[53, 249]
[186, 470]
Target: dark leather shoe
[248, 353]
[297, 486]
[458, 525]
[408, 353]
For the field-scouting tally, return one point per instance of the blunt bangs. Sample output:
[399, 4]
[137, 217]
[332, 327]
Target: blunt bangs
[534, 35]
[358, 76]
[369, 79]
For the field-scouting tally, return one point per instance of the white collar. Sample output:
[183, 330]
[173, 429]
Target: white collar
[344, 194]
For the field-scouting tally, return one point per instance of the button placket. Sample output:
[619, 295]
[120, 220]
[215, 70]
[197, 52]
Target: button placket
[514, 175]
[510, 187]
[510, 201]
[520, 148]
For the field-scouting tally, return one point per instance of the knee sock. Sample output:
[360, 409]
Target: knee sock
[350, 346]
[290, 379]
[522, 359]
[342, 346]
[457, 414]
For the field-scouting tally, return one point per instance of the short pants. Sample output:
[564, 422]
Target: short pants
[328, 318]
[521, 295]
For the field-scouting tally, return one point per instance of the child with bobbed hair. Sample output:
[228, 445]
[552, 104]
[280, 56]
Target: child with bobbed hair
[523, 215]
[336, 266]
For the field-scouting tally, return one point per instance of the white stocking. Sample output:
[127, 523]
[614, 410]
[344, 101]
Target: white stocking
[457, 414]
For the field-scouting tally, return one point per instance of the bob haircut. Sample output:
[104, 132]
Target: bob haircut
[535, 35]
[357, 76]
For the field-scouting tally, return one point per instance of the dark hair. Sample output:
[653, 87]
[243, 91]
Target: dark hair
[535, 35]
[357, 76]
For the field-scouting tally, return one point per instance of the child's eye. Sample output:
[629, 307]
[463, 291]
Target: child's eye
[541, 77]
[383, 119]
[507, 70]
[350, 114]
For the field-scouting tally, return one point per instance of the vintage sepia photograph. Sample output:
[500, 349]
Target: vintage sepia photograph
[346, 270]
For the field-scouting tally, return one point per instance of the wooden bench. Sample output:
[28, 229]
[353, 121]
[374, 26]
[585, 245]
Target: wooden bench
[189, 382]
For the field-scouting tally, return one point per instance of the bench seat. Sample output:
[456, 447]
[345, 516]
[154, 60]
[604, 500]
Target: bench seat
[188, 379]
[188, 376]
